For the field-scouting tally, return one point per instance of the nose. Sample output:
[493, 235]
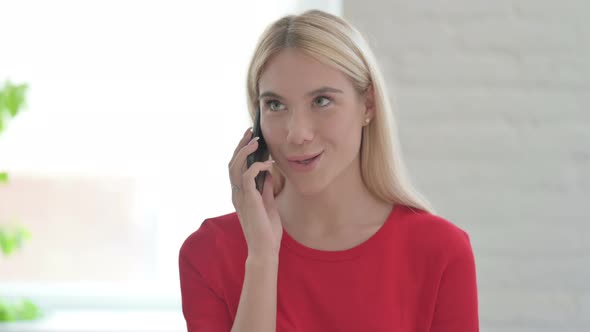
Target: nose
[300, 127]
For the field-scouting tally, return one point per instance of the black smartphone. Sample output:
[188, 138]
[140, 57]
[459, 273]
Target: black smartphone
[261, 153]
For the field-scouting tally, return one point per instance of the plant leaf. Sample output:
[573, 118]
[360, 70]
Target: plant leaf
[29, 311]
[13, 239]
[16, 99]
[12, 100]
[23, 310]
[6, 313]
[3, 177]
[4, 242]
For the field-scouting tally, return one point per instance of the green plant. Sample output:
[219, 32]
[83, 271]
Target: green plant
[12, 100]
[22, 310]
[12, 238]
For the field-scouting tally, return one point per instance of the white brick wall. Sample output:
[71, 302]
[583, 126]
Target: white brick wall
[493, 99]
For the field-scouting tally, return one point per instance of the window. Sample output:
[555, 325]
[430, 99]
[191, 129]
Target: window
[133, 110]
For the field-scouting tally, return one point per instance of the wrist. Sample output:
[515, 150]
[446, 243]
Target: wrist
[262, 259]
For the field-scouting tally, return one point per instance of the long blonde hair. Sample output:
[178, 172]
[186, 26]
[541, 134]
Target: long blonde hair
[333, 41]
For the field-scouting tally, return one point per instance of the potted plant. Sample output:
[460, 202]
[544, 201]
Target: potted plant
[12, 99]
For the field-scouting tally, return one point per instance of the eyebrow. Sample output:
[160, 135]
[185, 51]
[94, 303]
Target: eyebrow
[309, 94]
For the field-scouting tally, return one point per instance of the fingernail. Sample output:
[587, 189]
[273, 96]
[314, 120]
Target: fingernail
[254, 139]
[271, 161]
[248, 132]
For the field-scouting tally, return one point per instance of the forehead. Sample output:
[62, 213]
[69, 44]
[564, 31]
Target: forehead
[294, 73]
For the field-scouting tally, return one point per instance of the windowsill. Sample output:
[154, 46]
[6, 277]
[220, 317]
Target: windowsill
[102, 321]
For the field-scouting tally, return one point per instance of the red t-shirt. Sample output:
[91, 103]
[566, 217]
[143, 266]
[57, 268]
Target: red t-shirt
[416, 273]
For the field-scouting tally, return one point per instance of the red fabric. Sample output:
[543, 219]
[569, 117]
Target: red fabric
[417, 273]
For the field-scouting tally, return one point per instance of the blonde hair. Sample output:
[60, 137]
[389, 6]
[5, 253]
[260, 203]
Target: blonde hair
[333, 41]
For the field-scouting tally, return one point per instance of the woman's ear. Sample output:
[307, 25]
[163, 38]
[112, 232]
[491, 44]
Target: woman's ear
[369, 104]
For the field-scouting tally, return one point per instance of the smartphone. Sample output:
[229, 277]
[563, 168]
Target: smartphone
[261, 154]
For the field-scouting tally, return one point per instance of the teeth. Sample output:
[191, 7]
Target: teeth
[305, 162]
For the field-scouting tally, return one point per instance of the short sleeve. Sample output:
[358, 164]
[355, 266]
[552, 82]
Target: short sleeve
[456, 305]
[203, 309]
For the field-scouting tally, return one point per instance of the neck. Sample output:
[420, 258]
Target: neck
[343, 203]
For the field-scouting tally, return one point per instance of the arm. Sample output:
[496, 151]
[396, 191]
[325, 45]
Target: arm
[203, 308]
[456, 305]
[257, 310]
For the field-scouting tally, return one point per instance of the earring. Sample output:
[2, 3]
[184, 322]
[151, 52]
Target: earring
[367, 120]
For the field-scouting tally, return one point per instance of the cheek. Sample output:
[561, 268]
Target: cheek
[271, 131]
[340, 128]
[345, 134]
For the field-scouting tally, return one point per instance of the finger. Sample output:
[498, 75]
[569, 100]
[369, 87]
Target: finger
[268, 195]
[239, 161]
[248, 178]
[245, 139]
[238, 166]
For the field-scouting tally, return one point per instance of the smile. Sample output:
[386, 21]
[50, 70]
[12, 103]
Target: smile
[305, 165]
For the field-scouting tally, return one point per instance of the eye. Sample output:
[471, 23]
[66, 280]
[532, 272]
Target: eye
[273, 105]
[322, 104]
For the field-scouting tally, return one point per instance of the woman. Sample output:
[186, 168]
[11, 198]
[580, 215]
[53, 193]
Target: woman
[338, 240]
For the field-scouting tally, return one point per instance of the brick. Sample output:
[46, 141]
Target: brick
[534, 307]
[492, 101]
[419, 106]
[585, 305]
[534, 272]
[489, 69]
[521, 37]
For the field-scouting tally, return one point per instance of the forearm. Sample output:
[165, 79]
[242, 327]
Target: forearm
[257, 309]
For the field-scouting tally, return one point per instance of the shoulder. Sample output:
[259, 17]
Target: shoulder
[214, 235]
[433, 235]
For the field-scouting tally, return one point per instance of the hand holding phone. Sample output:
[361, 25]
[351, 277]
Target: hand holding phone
[258, 213]
[261, 153]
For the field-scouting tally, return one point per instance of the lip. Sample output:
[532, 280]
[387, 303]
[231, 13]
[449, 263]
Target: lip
[299, 167]
[303, 157]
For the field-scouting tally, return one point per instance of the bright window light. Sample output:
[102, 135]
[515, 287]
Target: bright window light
[133, 111]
